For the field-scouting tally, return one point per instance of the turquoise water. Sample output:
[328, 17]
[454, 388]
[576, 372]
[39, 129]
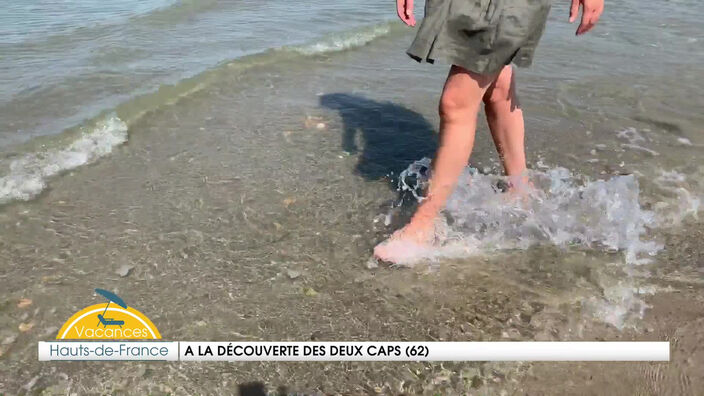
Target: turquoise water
[63, 62]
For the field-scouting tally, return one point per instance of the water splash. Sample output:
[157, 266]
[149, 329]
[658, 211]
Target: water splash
[415, 178]
[558, 208]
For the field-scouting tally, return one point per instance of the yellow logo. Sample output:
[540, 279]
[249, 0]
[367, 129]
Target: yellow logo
[113, 320]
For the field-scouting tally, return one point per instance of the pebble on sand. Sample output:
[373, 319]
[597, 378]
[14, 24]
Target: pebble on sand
[24, 303]
[310, 292]
[25, 327]
[684, 141]
[289, 201]
[314, 122]
[124, 270]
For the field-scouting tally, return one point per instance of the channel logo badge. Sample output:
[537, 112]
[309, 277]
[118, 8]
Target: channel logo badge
[112, 320]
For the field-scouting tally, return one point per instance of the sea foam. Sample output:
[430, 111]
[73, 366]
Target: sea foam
[27, 176]
[346, 40]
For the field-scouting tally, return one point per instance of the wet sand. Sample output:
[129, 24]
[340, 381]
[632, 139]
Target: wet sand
[226, 211]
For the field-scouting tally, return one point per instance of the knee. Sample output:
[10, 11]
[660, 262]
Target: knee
[455, 104]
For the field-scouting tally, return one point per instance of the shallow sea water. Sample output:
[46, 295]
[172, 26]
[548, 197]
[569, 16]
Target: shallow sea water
[232, 201]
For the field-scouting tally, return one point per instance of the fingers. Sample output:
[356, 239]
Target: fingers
[591, 12]
[574, 10]
[404, 8]
[409, 13]
[401, 9]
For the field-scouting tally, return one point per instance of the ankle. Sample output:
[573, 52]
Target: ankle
[514, 168]
[425, 214]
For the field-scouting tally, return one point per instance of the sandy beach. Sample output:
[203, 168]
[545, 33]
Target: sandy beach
[247, 210]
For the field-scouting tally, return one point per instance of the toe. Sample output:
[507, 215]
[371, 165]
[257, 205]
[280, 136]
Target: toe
[381, 251]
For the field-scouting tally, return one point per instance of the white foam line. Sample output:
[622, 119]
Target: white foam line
[28, 175]
[343, 41]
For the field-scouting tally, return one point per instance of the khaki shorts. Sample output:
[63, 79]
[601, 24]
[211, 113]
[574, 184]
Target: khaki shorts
[480, 35]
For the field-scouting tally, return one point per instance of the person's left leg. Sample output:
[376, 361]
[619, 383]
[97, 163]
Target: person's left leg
[505, 118]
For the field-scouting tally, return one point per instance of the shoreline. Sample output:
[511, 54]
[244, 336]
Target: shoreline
[28, 165]
[232, 211]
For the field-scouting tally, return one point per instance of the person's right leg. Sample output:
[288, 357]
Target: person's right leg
[505, 118]
[459, 106]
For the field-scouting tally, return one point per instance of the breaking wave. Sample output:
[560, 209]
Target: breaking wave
[27, 176]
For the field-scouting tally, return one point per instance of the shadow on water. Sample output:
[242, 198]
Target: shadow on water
[391, 136]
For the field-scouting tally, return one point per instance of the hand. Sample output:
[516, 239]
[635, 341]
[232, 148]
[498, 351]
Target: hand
[591, 11]
[405, 12]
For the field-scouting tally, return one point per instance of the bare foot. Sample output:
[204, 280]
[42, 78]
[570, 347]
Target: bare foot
[408, 244]
[520, 189]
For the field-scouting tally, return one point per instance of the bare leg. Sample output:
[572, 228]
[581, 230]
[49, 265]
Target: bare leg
[505, 118]
[459, 105]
